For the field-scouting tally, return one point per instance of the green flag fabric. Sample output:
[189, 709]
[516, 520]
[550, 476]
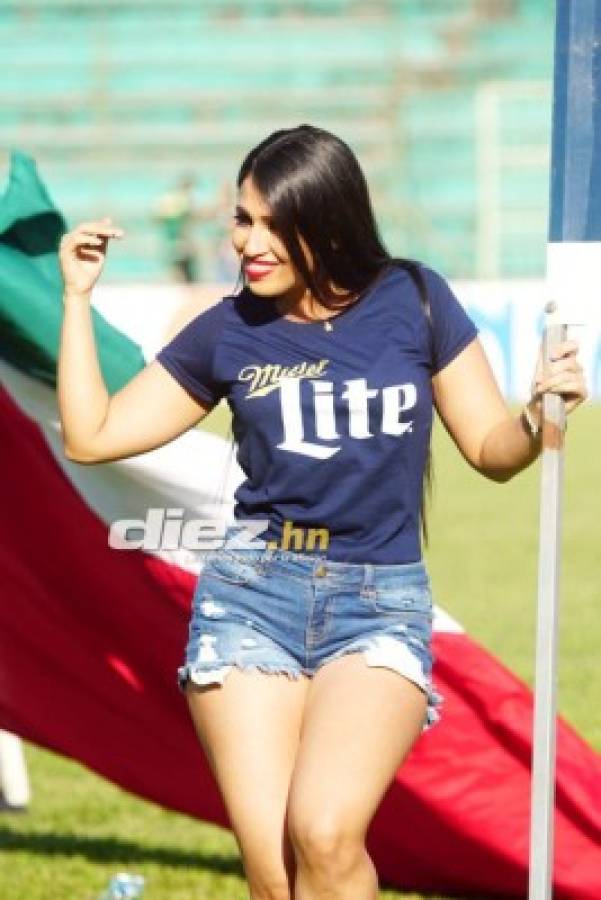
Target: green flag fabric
[31, 285]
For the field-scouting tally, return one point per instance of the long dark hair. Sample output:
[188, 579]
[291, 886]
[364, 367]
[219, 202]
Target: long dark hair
[314, 186]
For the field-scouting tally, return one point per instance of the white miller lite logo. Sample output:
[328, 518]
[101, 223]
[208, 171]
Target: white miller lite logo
[395, 400]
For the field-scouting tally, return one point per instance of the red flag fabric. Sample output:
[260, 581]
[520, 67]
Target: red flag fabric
[90, 640]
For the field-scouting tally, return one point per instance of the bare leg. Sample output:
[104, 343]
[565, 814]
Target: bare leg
[249, 729]
[360, 723]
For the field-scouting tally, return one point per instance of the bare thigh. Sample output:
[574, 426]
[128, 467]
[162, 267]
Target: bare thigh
[249, 728]
[360, 723]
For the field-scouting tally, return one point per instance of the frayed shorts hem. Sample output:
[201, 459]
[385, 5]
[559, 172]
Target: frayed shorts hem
[378, 650]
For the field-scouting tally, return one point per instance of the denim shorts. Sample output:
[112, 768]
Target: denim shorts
[282, 611]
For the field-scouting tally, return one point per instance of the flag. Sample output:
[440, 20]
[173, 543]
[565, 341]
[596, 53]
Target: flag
[91, 637]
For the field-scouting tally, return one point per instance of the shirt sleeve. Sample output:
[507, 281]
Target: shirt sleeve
[190, 356]
[452, 327]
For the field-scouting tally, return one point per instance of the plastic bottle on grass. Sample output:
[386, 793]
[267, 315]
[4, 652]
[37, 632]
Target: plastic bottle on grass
[124, 886]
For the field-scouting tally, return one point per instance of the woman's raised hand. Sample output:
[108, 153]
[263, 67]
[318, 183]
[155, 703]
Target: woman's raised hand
[82, 252]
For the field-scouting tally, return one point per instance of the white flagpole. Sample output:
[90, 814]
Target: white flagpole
[549, 566]
[573, 279]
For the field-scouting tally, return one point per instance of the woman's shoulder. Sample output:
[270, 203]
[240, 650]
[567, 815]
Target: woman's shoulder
[412, 269]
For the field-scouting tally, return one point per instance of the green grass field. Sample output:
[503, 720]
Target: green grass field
[482, 558]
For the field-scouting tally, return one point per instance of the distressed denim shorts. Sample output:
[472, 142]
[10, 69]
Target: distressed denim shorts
[281, 611]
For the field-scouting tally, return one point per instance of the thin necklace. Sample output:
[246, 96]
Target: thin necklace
[327, 324]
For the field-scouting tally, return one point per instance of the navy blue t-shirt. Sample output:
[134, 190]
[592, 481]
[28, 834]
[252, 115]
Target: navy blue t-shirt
[331, 426]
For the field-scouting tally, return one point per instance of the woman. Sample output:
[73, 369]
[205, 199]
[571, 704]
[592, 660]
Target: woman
[331, 358]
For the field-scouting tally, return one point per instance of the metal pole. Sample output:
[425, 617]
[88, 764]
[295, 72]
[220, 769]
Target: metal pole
[549, 566]
[573, 279]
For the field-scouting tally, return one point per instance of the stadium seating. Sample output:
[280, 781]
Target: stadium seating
[115, 98]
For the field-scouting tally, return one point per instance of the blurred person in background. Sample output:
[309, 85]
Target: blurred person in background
[177, 212]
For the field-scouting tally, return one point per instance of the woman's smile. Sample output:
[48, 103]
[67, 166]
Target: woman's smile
[258, 269]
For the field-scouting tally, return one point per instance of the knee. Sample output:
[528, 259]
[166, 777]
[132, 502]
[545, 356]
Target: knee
[325, 845]
[269, 887]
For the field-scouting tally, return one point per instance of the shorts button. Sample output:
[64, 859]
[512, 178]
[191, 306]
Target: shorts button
[320, 570]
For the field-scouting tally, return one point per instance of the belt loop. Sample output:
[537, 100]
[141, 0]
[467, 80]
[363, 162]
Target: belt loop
[369, 579]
